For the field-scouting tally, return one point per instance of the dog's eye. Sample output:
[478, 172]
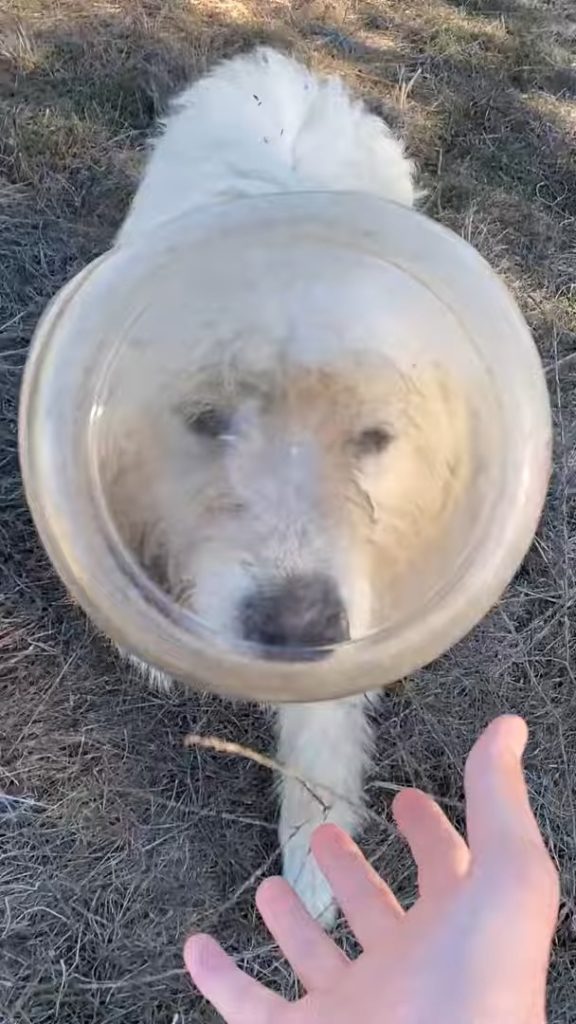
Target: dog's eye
[210, 423]
[372, 441]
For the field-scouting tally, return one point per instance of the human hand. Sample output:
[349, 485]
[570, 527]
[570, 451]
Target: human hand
[473, 949]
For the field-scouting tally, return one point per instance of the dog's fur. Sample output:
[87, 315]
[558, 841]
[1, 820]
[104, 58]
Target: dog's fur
[336, 468]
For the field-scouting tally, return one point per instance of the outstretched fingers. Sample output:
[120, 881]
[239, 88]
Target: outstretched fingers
[372, 910]
[238, 998]
[441, 855]
[316, 960]
[497, 805]
[503, 834]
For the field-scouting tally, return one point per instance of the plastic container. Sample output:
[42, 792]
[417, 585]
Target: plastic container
[302, 274]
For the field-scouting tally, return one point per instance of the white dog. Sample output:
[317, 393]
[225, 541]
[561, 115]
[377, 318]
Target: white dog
[312, 488]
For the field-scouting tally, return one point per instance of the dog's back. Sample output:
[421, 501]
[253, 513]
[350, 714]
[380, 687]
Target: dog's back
[263, 123]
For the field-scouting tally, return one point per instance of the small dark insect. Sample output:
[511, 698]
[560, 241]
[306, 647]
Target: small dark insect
[257, 98]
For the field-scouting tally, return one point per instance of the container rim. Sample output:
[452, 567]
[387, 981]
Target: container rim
[134, 612]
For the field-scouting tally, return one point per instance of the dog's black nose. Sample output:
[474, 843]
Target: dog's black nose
[295, 618]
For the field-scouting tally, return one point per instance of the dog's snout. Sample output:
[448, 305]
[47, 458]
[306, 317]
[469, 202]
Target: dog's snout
[301, 614]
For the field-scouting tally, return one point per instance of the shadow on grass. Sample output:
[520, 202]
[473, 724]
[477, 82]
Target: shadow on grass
[137, 838]
[80, 99]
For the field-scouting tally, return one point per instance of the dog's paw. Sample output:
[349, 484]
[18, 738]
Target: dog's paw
[305, 877]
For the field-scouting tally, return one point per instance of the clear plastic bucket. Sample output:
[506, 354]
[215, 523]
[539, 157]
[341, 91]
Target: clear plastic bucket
[279, 405]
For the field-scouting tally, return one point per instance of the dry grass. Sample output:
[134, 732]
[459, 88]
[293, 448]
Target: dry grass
[122, 839]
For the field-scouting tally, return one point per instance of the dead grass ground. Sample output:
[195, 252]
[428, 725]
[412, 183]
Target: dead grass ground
[123, 840]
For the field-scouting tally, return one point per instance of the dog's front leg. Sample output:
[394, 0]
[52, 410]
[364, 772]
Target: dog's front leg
[327, 745]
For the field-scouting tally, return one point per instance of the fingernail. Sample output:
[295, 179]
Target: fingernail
[511, 734]
[198, 952]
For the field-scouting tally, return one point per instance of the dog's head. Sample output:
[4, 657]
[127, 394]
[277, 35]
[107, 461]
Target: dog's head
[285, 503]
